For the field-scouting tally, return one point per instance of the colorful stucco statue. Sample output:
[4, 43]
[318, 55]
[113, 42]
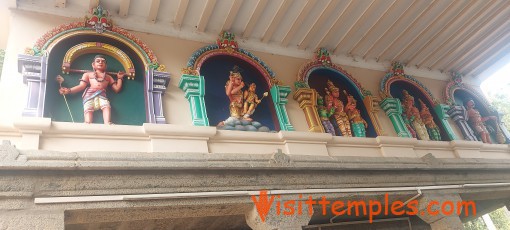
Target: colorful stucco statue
[95, 85]
[325, 114]
[251, 100]
[332, 98]
[413, 115]
[428, 119]
[359, 125]
[234, 91]
[408, 126]
[477, 122]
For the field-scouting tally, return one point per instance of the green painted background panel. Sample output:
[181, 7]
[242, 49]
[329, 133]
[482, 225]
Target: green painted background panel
[128, 106]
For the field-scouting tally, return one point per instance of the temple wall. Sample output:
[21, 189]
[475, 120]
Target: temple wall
[26, 28]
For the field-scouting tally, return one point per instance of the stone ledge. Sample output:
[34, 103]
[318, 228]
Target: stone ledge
[53, 160]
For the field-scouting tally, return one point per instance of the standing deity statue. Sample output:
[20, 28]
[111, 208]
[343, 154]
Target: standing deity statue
[325, 114]
[428, 119]
[95, 84]
[477, 122]
[413, 115]
[234, 91]
[251, 100]
[359, 125]
[333, 98]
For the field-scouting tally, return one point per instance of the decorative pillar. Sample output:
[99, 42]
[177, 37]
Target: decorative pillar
[34, 71]
[194, 91]
[307, 99]
[393, 109]
[370, 103]
[459, 114]
[156, 82]
[279, 95]
[441, 111]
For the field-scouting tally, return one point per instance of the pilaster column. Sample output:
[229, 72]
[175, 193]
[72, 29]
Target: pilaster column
[307, 99]
[393, 109]
[194, 91]
[34, 71]
[370, 104]
[273, 220]
[156, 86]
[441, 111]
[279, 95]
[458, 114]
[432, 209]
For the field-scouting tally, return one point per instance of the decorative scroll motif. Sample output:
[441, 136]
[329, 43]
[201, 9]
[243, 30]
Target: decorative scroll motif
[100, 19]
[307, 97]
[50, 38]
[227, 41]
[97, 47]
[397, 74]
[226, 45]
[322, 55]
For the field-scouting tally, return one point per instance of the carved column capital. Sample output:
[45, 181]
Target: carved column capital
[33, 70]
[391, 106]
[156, 83]
[194, 91]
[279, 95]
[192, 85]
[393, 109]
[307, 99]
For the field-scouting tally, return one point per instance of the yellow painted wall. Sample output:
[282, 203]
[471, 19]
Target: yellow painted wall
[27, 27]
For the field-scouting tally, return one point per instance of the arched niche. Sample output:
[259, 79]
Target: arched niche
[457, 94]
[44, 61]
[128, 107]
[391, 89]
[216, 73]
[207, 72]
[311, 83]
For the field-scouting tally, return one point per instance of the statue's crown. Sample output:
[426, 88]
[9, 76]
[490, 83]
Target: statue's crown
[332, 87]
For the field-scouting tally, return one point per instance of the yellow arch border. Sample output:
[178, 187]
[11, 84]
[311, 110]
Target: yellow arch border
[102, 48]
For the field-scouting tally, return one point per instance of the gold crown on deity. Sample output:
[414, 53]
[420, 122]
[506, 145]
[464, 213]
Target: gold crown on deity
[349, 97]
[407, 96]
[332, 87]
[423, 105]
[236, 72]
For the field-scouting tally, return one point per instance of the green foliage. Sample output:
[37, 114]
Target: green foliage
[500, 219]
[501, 101]
[476, 224]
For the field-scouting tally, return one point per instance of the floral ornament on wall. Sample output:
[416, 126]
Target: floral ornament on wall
[99, 20]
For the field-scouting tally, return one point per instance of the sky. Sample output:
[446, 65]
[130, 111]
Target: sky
[498, 82]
